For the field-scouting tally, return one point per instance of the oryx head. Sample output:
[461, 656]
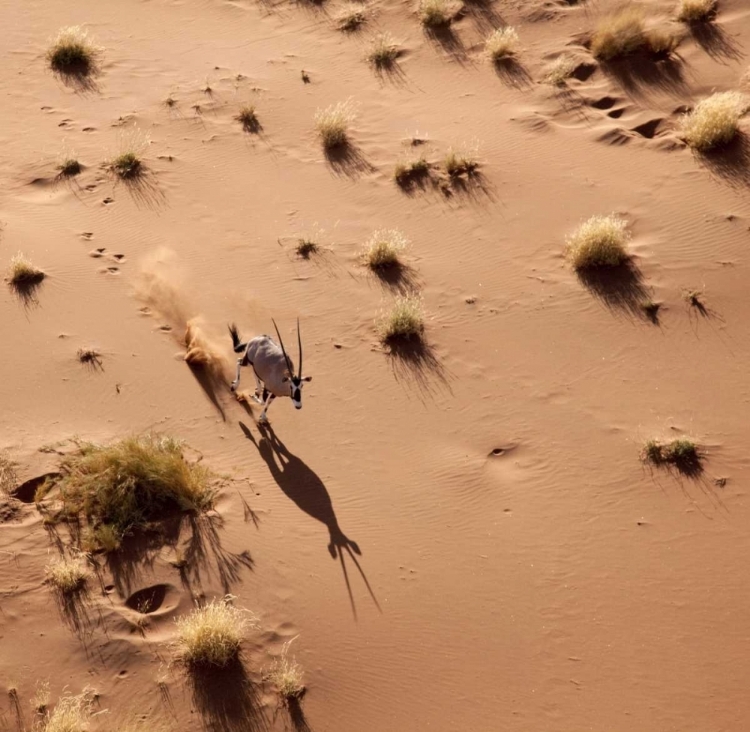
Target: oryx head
[296, 382]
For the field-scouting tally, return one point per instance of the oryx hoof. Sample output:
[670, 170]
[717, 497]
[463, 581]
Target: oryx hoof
[233, 386]
[263, 419]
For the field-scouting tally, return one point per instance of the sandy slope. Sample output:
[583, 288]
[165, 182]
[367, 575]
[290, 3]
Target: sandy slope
[525, 570]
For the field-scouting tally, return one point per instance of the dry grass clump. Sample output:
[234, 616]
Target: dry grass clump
[560, 70]
[460, 162]
[501, 43]
[8, 478]
[696, 11]
[383, 249]
[248, 118]
[89, 356]
[404, 321]
[625, 32]
[66, 575]
[22, 273]
[127, 165]
[351, 17]
[408, 172]
[307, 246]
[69, 168]
[40, 700]
[287, 675]
[714, 121]
[683, 453]
[383, 51]
[436, 13]
[212, 635]
[129, 485]
[69, 715]
[598, 242]
[332, 123]
[72, 52]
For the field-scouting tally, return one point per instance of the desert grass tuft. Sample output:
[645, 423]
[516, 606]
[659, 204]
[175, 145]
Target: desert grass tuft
[598, 242]
[714, 121]
[436, 13]
[248, 118]
[66, 575]
[287, 675]
[69, 167]
[460, 162]
[404, 321]
[8, 477]
[306, 247]
[682, 453]
[332, 123]
[384, 248]
[40, 700]
[127, 165]
[696, 11]
[212, 635]
[89, 356]
[22, 273]
[130, 484]
[624, 32]
[73, 52]
[383, 52]
[406, 173]
[70, 714]
[560, 70]
[351, 17]
[501, 44]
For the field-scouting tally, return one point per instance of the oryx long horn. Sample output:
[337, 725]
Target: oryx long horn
[283, 350]
[299, 344]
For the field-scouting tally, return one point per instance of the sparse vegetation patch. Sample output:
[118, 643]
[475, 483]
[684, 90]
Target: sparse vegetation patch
[383, 249]
[351, 18]
[460, 162]
[598, 242]
[22, 273]
[69, 168]
[127, 165]
[212, 635]
[560, 70]
[72, 52]
[407, 173]
[501, 44]
[714, 121]
[682, 453]
[696, 11]
[436, 13]
[70, 714]
[404, 321]
[332, 123]
[383, 51]
[8, 478]
[66, 575]
[286, 675]
[130, 484]
[623, 33]
[248, 118]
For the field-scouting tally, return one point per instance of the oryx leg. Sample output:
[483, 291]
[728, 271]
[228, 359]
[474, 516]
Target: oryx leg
[258, 389]
[263, 417]
[236, 381]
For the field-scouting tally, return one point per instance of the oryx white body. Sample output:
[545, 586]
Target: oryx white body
[273, 369]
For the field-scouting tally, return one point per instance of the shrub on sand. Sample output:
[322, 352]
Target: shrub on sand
[332, 123]
[130, 484]
[69, 167]
[383, 249]
[22, 273]
[560, 70]
[383, 51]
[72, 52]
[696, 11]
[598, 242]
[460, 162]
[501, 43]
[66, 575]
[351, 17]
[287, 675]
[625, 32]
[681, 452]
[436, 13]
[404, 321]
[714, 121]
[127, 165]
[212, 635]
[406, 173]
[248, 118]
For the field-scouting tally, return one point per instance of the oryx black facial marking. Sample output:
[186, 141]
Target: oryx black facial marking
[273, 369]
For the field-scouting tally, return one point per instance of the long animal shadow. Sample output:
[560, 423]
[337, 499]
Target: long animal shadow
[303, 486]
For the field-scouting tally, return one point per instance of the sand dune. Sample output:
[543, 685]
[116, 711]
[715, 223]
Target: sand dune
[460, 534]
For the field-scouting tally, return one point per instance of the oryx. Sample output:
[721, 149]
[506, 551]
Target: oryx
[273, 369]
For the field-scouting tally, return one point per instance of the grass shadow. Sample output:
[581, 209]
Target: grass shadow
[306, 489]
[620, 288]
[227, 698]
[729, 163]
[390, 70]
[512, 73]
[472, 185]
[400, 278]
[642, 72]
[348, 160]
[144, 189]
[26, 290]
[414, 359]
[715, 41]
[483, 14]
[449, 42]
[80, 77]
